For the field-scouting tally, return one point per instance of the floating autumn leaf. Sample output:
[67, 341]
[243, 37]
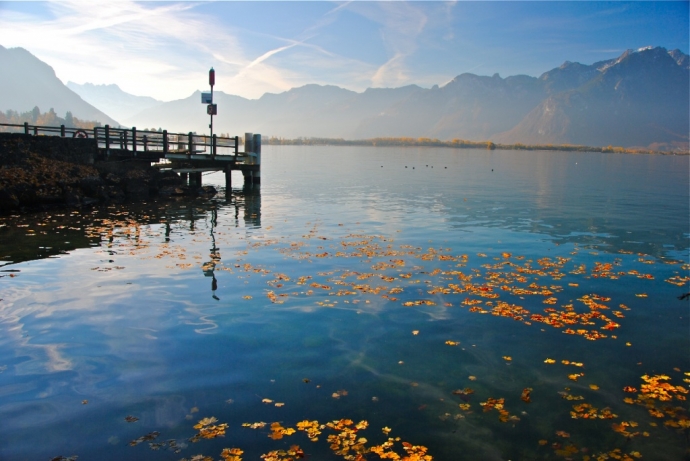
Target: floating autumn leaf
[549, 361]
[543, 442]
[562, 434]
[594, 387]
[526, 393]
[131, 419]
[472, 378]
[247, 297]
[415, 332]
[452, 343]
[507, 358]
[231, 454]
[386, 430]
[464, 406]
[279, 404]
[266, 400]
[641, 295]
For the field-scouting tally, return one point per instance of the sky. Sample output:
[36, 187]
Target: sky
[165, 49]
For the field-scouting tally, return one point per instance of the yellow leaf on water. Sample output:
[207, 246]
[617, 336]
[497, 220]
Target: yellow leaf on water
[472, 378]
[594, 387]
[415, 332]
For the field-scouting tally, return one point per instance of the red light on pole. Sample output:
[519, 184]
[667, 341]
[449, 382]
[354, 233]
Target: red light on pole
[211, 77]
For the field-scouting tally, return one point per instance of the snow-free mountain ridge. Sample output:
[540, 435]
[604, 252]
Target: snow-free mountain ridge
[27, 82]
[639, 99]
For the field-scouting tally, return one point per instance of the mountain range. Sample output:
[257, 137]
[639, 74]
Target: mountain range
[27, 82]
[639, 99]
[119, 104]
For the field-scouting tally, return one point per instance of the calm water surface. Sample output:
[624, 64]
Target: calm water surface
[365, 284]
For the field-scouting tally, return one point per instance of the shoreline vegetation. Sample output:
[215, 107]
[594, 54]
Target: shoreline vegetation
[460, 144]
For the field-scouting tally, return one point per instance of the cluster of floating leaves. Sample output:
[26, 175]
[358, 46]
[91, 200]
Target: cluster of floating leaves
[344, 440]
[657, 395]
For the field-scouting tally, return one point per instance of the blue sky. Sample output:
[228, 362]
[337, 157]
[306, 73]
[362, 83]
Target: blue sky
[164, 49]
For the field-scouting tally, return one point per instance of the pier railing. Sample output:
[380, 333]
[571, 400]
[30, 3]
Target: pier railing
[134, 140]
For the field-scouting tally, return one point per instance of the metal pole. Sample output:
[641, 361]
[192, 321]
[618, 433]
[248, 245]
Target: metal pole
[211, 81]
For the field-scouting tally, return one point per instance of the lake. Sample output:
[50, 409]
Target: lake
[364, 301]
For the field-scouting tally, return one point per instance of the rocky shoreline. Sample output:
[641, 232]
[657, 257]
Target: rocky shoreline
[45, 172]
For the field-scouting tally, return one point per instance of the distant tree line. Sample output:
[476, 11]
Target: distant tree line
[50, 118]
[455, 143]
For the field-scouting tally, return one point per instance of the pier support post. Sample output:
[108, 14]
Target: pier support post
[191, 144]
[248, 150]
[195, 179]
[228, 177]
[165, 143]
[107, 140]
[62, 131]
[134, 140]
[26, 127]
[256, 144]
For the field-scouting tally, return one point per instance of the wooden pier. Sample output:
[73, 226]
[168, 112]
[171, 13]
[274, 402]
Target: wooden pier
[188, 154]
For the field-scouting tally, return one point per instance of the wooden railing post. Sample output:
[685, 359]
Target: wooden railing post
[237, 146]
[214, 143]
[35, 130]
[62, 131]
[146, 143]
[191, 144]
[134, 140]
[26, 127]
[165, 142]
[124, 137]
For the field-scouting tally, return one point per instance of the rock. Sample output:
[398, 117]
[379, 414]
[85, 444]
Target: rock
[91, 185]
[137, 189]
[206, 190]
[8, 201]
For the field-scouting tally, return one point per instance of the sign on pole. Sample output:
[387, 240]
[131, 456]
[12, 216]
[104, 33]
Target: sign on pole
[206, 98]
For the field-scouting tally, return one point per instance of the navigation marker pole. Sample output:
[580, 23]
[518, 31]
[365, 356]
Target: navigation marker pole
[212, 108]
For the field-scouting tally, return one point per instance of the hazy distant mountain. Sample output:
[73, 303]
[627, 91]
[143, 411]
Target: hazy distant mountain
[639, 99]
[111, 99]
[310, 110]
[27, 82]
